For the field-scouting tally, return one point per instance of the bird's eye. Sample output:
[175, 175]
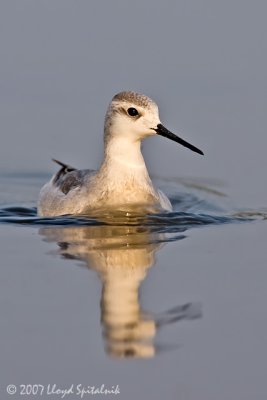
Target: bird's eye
[132, 112]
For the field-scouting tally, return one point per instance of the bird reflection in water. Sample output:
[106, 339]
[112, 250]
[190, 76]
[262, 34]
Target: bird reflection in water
[121, 255]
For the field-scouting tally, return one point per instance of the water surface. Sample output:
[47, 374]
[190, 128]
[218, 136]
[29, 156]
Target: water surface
[170, 303]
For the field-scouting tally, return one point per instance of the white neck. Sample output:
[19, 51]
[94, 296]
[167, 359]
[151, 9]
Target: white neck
[123, 177]
[123, 157]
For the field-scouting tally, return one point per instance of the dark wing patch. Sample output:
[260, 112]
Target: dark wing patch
[69, 178]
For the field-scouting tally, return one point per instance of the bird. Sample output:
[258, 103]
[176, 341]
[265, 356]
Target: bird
[122, 182]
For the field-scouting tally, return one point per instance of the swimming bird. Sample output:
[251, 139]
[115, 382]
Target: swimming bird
[122, 181]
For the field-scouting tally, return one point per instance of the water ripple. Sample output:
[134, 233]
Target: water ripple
[164, 222]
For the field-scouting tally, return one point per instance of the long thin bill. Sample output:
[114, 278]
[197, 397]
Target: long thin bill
[162, 131]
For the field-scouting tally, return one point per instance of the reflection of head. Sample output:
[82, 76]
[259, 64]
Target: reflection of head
[121, 255]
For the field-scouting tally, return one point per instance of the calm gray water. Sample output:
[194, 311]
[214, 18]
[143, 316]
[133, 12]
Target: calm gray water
[170, 306]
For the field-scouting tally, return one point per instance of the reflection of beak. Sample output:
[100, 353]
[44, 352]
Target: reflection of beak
[161, 130]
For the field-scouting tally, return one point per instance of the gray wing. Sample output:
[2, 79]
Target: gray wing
[69, 178]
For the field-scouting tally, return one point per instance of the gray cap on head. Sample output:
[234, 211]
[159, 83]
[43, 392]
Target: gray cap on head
[135, 98]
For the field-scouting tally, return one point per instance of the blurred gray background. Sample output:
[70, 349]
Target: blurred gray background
[203, 61]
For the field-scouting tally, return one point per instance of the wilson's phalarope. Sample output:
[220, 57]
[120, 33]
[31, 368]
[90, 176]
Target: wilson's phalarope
[122, 181]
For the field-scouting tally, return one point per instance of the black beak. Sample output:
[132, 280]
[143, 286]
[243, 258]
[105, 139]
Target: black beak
[161, 130]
